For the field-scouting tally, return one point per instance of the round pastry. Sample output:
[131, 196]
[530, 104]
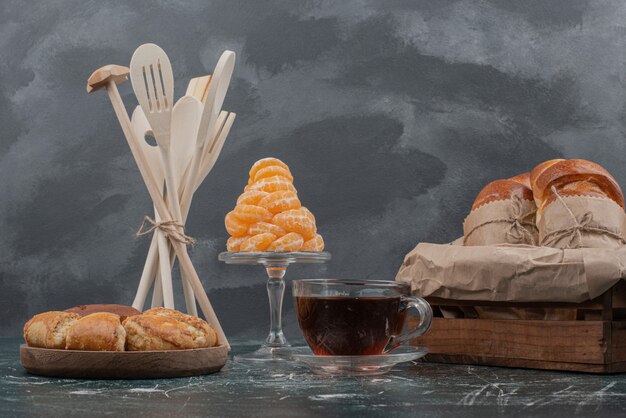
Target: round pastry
[49, 329]
[208, 337]
[100, 331]
[165, 329]
[122, 310]
[523, 179]
[537, 171]
[572, 178]
[503, 190]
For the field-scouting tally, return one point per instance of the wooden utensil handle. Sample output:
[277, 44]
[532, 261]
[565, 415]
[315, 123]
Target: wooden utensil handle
[203, 300]
[164, 269]
[147, 276]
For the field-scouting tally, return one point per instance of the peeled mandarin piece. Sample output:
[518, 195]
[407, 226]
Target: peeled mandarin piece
[257, 243]
[290, 242]
[315, 244]
[280, 201]
[265, 227]
[234, 226]
[272, 184]
[308, 213]
[252, 213]
[234, 243]
[273, 170]
[296, 220]
[251, 198]
[266, 162]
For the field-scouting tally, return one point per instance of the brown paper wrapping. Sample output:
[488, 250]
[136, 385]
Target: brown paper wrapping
[582, 222]
[502, 222]
[514, 273]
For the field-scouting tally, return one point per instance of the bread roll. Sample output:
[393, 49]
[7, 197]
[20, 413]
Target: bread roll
[511, 221]
[208, 337]
[523, 179]
[572, 178]
[152, 332]
[49, 329]
[504, 190]
[100, 331]
[535, 172]
[122, 310]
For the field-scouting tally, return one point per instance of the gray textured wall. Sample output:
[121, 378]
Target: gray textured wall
[391, 114]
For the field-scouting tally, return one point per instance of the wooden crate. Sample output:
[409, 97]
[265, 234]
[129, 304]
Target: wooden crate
[595, 342]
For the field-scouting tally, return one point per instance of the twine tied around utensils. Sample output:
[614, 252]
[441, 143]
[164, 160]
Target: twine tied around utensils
[171, 229]
[575, 231]
[518, 227]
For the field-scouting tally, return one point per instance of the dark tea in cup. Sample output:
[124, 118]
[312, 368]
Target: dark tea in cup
[345, 317]
[349, 326]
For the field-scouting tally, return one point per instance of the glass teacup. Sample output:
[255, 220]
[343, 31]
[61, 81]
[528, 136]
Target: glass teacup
[351, 317]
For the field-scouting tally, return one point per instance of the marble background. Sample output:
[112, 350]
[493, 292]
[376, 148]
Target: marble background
[392, 115]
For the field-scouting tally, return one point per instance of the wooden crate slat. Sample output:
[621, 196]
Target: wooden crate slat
[592, 304]
[618, 342]
[558, 341]
[619, 295]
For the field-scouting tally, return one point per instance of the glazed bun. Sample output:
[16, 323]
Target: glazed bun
[572, 178]
[100, 331]
[49, 329]
[504, 189]
[523, 179]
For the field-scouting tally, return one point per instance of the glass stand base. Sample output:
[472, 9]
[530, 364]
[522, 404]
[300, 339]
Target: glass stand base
[275, 264]
[263, 356]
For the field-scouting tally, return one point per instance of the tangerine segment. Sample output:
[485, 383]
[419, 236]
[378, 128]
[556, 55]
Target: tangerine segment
[314, 244]
[257, 243]
[296, 220]
[265, 162]
[290, 242]
[272, 184]
[272, 170]
[234, 243]
[265, 227]
[234, 226]
[252, 213]
[309, 214]
[280, 201]
[251, 198]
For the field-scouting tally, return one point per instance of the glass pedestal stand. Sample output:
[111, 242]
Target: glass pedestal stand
[275, 264]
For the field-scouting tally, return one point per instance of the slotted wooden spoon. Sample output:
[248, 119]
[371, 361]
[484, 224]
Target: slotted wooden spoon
[153, 83]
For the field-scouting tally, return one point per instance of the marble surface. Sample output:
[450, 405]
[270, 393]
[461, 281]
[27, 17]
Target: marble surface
[412, 389]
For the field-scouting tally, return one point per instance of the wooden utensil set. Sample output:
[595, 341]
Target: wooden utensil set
[189, 136]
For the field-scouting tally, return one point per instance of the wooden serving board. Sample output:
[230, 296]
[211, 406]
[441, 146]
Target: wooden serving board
[123, 365]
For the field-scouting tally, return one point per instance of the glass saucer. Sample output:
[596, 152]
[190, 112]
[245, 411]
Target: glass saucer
[351, 365]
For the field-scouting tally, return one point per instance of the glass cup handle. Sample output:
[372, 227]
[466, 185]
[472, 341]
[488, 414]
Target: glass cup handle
[425, 315]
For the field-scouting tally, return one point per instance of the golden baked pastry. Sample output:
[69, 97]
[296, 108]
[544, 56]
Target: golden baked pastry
[49, 329]
[572, 178]
[122, 310]
[208, 337]
[155, 332]
[505, 189]
[101, 331]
